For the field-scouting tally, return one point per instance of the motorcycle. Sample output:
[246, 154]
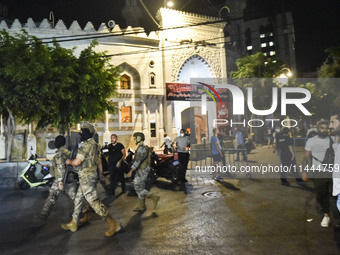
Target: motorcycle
[166, 166]
[34, 174]
[249, 145]
[162, 165]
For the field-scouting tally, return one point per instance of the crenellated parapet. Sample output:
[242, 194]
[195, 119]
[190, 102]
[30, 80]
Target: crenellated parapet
[45, 27]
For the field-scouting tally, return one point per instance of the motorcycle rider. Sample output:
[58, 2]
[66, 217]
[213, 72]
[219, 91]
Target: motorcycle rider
[88, 159]
[58, 170]
[141, 164]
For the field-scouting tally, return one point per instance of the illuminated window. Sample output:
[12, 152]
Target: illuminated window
[274, 61]
[265, 53]
[125, 114]
[263, 45]
[271, 43]
[125, 82]
[272, 53]
[271, 34]
[249, 47]
[262, 35]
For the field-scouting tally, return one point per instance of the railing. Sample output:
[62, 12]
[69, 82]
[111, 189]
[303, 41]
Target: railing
[203, 157]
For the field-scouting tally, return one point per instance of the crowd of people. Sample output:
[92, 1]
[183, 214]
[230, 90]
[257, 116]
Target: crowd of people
[320, 164]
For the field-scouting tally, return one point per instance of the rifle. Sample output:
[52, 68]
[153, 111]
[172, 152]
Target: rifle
[69, 168]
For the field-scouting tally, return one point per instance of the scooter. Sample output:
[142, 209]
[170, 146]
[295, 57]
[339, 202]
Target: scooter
[35, 174]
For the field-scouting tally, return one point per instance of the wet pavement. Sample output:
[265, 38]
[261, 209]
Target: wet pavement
[234, 216]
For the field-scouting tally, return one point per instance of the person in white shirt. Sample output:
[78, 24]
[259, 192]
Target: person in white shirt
[335, 125]
[315, 151]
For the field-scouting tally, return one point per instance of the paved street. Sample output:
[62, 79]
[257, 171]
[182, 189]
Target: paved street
[236, 216]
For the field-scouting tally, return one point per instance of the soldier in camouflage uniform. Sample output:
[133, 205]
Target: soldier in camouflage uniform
[88, 158]
[141, 164]
[58, 170]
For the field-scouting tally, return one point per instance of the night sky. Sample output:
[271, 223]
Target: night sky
[98, 11]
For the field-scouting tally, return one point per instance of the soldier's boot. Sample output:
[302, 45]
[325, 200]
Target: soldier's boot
[141, 206]
[113, 226]
[87, 217]
[155, 200]
[72, 226]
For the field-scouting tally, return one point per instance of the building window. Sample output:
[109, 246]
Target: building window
[262, 35]
[249, 47]
[152, 80]
[263, 45]
[125, 82]
[271, 43]
[125, 114]
[272, 53]
[153, 129]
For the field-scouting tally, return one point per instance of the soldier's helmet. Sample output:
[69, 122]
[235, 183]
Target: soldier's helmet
[88, 126]
[140, 134]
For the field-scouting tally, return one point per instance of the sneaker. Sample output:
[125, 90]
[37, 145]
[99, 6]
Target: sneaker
[325, 222]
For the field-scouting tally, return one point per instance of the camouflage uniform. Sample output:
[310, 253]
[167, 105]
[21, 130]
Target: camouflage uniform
[89, 153]
[142, 165]
[58, 170]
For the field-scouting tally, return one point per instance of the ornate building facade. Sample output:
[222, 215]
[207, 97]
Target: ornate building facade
[177, 52]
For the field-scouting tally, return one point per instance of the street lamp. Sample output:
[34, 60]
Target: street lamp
[168, 3]
[282, 79]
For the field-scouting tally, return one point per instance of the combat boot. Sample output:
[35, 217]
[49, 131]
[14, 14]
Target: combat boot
[141, 206]
[87, 217]
[154, 199]
[113, 227]
[72, 226]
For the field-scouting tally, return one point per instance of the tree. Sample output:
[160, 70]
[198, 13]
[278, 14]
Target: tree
[50, 84]
[257, 71]
[329, 70]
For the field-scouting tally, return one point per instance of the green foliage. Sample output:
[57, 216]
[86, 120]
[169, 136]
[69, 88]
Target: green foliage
[254, 71]
[328, 72]
[52, 85]
[256, 66]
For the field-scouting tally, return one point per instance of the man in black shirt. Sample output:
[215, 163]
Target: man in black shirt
[287, 156]
[116, 156]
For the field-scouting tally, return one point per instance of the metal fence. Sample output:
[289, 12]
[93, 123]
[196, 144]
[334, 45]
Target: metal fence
[203, 157]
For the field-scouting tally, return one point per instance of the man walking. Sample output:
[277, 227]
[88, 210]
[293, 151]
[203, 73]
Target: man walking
[58, 171]
[335, 125]
[287, 157]
[141, 164]
[182, 145]
[88, 159]
[167, 144]
[315, 151]
[116, 156]
[240, 145]
[217, 153]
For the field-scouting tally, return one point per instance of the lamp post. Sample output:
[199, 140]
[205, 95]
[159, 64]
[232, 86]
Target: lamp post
[282, 79]
[168, 3]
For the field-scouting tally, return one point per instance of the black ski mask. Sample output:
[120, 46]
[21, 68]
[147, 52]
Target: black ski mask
[85, 134]
[59, 141]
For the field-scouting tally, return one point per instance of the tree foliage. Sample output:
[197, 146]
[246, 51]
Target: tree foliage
[328, 72]
[49, 84]
[257, 71]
